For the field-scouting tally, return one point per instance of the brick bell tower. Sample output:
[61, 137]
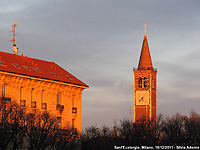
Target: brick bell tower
[145, 85]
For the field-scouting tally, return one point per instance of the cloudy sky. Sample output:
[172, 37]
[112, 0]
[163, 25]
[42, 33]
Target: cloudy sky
[99, 41]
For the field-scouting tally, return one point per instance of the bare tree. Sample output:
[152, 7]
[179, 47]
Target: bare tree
[174, 130]
[5, 134]
[41, 130]
[99, 138]
[12, 125]
[192, 129]
[67, 138]
[18, 127]
[144, 132]
[106, 131]
[159, 127]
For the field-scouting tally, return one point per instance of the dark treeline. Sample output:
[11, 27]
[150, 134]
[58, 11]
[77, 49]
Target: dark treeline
[35, 130]
[177, 130]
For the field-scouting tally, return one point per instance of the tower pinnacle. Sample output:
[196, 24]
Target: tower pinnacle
[145, 30]
[145, 62]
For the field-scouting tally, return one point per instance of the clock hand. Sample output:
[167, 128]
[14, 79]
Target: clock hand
[141, 99]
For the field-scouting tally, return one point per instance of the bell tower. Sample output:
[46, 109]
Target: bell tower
[145, 85]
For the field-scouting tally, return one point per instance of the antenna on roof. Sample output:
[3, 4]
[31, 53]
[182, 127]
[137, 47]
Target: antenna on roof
[15, 49]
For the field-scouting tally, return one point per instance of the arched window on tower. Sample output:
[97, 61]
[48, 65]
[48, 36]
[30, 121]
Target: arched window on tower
[145, 82]
[140, 82]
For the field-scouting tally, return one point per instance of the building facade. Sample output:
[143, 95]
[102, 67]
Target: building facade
[42, 85]
[145, 106]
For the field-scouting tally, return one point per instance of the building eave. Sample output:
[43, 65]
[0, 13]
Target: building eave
[44, 79]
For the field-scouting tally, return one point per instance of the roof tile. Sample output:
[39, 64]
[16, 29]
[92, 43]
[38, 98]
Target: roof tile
[36, 68]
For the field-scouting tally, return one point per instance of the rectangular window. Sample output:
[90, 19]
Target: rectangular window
[3, 90]
[21, 93]
[58, 99]
[26, 67]
[43, 104]
[73, 101]
[73, 121]
[2, 63]
[16, 65]
[32, 95]
[68, 77]
[33, 103]
[36, 69]
[42, 96]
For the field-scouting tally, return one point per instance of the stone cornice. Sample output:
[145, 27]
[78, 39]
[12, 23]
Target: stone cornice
[34, 79]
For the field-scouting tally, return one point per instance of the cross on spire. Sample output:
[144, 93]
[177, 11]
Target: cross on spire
[145, 30]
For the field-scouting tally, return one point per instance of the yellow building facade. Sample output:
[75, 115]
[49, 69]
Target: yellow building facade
[42, 85]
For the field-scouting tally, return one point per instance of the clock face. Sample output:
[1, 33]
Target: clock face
[142, 97]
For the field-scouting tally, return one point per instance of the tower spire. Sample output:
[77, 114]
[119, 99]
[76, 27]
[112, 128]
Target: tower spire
[145, 106]
[145, 62]
[145, 30]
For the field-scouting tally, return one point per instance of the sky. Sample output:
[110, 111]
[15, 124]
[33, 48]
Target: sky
[99, 41]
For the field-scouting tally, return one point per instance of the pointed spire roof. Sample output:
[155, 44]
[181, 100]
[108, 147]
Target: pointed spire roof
[145, 62]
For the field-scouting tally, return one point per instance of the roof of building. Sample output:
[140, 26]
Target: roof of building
[36, 68]
[145, 62]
